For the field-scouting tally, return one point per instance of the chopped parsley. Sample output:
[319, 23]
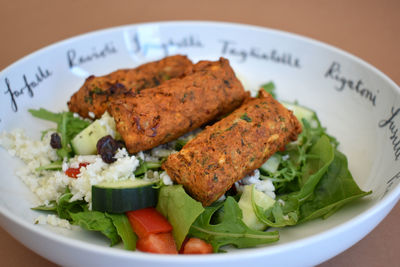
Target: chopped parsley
[245, 117]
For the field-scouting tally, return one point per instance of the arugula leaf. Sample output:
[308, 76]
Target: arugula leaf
[65, 150]
[286, 178]
[54, 166]
[124, 229]
[277, 215]
[180, 210]
[147, 165]
[52, 207]
[317, 160]
[230, 230]
[65, 207]
[45, 115]
[68, 127]
[289, 175]
[96, 221]
[326, 185]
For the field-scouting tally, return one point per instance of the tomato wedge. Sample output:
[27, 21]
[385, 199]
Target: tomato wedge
[195, 245]
[162, 243]
[148, 221]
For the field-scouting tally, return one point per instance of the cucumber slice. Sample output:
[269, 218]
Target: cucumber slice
[85, 142]
[246, 205]
[271, 165]
[300, 112]
[122, 196]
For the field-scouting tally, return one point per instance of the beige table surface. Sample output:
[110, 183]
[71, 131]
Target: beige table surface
[367, 29]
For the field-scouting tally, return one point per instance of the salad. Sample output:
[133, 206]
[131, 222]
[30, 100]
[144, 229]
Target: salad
[84, 176]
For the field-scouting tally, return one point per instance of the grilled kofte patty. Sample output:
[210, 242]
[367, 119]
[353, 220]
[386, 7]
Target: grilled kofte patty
[208, 165]
[162, 114]
[95, 93]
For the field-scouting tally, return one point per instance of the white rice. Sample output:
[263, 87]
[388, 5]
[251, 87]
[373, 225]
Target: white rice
[99, 171]
[53, 220]
[264, 185]
[166, 179]
[50, 185]
[33, 153]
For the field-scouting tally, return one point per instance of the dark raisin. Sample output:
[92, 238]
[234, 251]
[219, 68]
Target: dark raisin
[106, 148]
[55, 141]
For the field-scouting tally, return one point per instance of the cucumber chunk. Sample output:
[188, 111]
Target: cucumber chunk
[271, 165]
[85, 142]
[246, 205]
[122, 196]
[300, 112]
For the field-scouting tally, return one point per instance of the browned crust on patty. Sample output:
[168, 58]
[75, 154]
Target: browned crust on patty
[96, 92]
[232, 148]
[161, 114]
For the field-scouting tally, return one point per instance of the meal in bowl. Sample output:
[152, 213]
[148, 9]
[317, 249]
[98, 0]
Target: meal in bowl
[176, 157]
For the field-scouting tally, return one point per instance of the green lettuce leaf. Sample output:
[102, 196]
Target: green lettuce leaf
[180, 210]
[319, 158]
[96, 221]
[124, 229]
[336, 188]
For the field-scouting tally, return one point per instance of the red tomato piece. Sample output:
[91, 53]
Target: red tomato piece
[162, 243]
[183, 245]
[148, 221]
[73, 172]
[196, 246]
[83, 164]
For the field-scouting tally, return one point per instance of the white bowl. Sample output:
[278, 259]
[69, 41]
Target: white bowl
[355, 101]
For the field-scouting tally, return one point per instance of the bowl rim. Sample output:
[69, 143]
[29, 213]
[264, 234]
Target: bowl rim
[204, 23]
[391, 197]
